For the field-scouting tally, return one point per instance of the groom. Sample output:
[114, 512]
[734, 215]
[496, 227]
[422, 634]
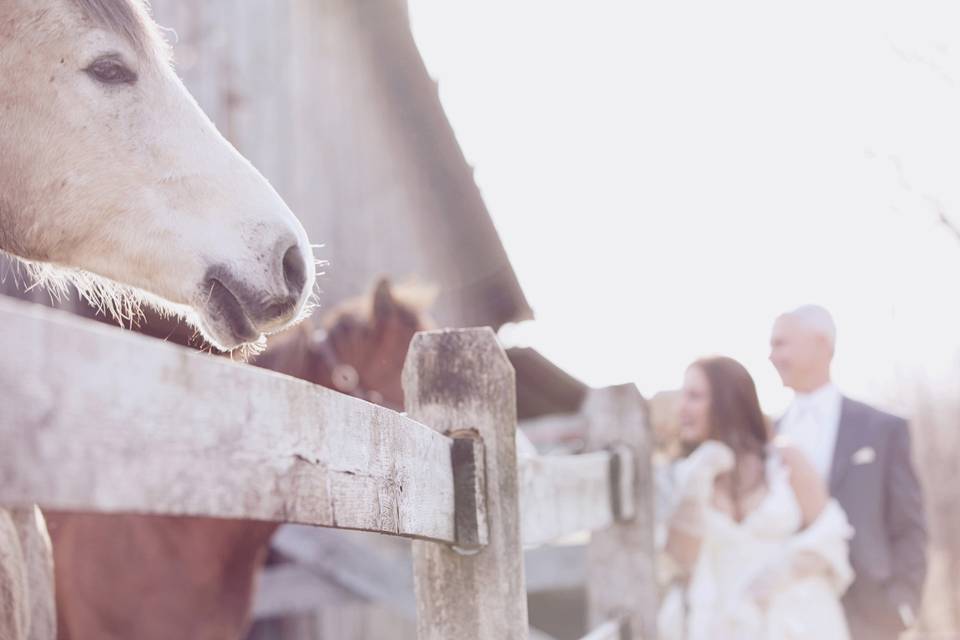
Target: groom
[864, 456]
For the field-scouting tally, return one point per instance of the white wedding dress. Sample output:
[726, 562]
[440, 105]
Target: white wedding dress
[803, 572]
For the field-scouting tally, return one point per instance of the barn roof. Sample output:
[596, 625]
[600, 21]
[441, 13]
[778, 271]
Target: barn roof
[488, 290]
[543, 388]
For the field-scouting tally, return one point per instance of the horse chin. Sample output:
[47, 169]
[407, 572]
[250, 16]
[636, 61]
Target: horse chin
[223, 320]
[219, 334]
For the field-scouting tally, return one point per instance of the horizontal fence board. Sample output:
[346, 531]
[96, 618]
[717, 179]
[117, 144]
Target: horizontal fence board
[555, 567]
[552, 430]
[288, 589]
[612, 630]
[354, 562]
[95, 419]
[562, 495]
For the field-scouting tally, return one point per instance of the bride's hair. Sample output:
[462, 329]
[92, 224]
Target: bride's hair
[735, 416]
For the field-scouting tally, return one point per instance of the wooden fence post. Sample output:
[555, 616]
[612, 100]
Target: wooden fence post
[621, 581]
[27, 607]
[460, 383]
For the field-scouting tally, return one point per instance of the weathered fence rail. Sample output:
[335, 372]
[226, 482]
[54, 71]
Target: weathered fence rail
[610, 630]
[561, 495]
[97, 420]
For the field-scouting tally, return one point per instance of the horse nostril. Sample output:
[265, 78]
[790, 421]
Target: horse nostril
[294, 270]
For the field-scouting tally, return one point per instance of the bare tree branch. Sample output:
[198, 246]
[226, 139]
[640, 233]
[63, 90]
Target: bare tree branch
[929, 61]
[932, 201]
[944, 218]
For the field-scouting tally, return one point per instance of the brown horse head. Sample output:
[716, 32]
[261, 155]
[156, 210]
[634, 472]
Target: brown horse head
[360, 346]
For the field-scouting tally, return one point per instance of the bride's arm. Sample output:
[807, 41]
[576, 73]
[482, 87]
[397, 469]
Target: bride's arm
[683, 545]
[687, 519]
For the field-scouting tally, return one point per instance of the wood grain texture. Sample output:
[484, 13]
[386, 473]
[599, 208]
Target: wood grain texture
[620, 562]
[561, 495]
[455, 381]
[330, 100]
[97, 419]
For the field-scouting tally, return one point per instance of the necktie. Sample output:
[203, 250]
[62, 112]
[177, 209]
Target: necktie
[806, 432]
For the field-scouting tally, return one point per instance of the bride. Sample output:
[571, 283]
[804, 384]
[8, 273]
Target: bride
[763, 546]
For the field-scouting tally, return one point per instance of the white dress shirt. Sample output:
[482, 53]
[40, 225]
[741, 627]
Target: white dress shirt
[811, 424]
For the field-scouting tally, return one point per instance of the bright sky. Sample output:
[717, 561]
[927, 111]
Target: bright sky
[667, 177]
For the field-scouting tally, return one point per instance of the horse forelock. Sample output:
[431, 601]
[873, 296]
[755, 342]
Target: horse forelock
[128, 18]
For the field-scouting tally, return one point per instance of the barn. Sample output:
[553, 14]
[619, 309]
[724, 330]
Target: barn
[331, 101]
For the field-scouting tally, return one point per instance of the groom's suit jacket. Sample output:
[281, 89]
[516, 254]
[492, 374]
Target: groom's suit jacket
[873, 479]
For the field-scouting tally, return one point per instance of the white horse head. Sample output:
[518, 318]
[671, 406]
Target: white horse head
[109, 167]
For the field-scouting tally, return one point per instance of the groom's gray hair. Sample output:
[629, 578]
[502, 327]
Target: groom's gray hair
[816, 319]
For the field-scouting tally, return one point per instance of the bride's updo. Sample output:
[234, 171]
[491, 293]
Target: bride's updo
[734, 415]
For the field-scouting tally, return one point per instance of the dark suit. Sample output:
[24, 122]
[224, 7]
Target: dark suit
[873, 479]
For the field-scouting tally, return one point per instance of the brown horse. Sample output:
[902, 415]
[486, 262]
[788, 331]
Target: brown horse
[146, 577]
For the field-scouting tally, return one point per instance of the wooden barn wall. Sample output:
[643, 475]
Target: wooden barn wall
[329, 99]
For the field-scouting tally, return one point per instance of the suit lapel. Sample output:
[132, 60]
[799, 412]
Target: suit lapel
[845, 447]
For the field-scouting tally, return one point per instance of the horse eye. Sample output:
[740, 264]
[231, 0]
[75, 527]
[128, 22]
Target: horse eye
[111, 70]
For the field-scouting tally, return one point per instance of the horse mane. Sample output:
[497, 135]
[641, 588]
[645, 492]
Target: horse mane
[128, 18]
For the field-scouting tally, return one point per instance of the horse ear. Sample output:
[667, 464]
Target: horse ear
[383, 300]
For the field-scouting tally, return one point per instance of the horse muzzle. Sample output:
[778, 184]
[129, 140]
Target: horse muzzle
[233, 311]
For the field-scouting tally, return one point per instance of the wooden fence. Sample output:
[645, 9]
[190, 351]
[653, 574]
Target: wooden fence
[98, 420]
